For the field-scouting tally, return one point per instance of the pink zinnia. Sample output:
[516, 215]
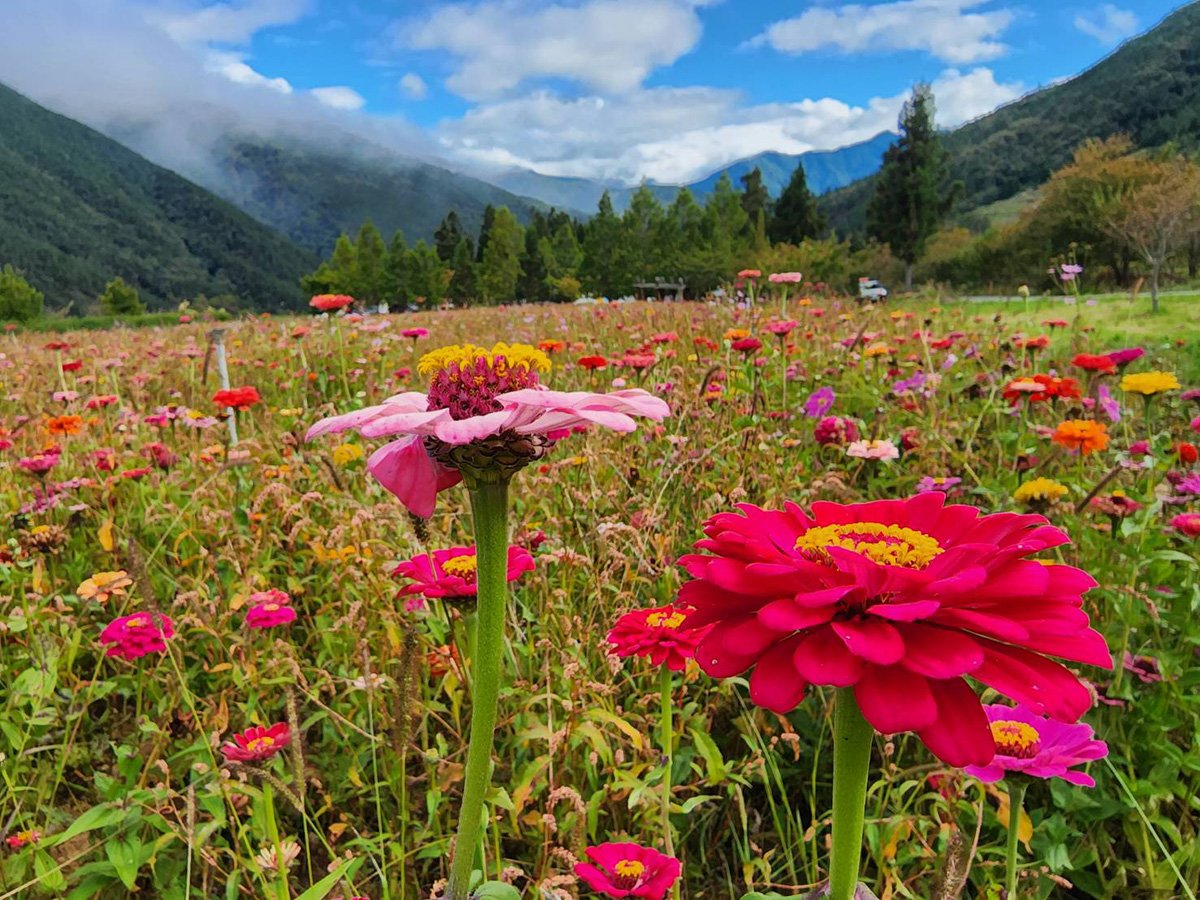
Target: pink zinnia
[415, 333]
[1126, 356]
[478, 397]
[269, 609]
[785, 278]
[782, 328]
[257, 743]
[900, 599]
[628, 870]
[1187, 524]
[662, 634]
[835, 430]
[1032, 744]
[137, 635]
[451, 573]
[749, 273]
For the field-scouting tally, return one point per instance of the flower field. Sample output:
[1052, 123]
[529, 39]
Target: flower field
[711, 539]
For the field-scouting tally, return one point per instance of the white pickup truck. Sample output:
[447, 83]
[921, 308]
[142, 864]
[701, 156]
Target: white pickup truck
[872, 290]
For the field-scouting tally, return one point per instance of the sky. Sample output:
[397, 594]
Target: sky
[622, 90]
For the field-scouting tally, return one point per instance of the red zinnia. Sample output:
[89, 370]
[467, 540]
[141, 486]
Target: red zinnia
[1095, 362]
[451, 573]
[1188, 454]
[330, 302]
[900, 599]
[257, 743]
[662, 634]
[238, 398]
[592, 362]
[747, 344]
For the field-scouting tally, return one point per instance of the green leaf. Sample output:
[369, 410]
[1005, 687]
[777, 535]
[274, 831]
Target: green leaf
[330, 881]
[49, 875]
[496, 890]
[96, 817]
[125, 859]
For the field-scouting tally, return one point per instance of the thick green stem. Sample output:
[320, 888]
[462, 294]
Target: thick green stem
[489, 504]
[1016, 802]
[852, 737]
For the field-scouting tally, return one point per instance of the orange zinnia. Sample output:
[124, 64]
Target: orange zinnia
[65, 425]
[1083, 435]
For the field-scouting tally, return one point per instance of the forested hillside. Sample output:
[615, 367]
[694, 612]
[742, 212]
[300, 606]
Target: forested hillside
[79, 209]
[1148, 89]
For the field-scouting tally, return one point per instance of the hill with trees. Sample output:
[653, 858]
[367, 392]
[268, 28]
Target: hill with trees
[1148, 89]
[80, 209]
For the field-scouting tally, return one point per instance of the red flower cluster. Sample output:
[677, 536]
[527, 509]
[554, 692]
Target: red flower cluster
[238, 398]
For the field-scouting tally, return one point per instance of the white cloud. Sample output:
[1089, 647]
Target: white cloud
[413, 86]
[228, 23]
[608, 45]
[675, 135]
[1108, 24]
[946, 29]
[339, 97]
[234, 67]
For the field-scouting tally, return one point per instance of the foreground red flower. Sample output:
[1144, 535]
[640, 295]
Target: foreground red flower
[899, 599]
[257, 743]
[628, 870]
[662, 634]
[451, 573]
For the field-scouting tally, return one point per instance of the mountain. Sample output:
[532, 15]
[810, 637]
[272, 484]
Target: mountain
[79, 209]
[824, 169]
[313, 194]
[1149, 88]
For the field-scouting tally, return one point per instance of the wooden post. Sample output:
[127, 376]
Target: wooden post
[217, 338]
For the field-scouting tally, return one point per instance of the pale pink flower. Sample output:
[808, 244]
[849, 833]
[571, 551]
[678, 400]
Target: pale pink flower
[873, 450]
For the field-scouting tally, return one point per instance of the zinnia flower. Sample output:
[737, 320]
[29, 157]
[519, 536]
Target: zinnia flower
[747, 344]
[882, 450]
[835, 430]
[929, 483]
[1149, 383]
[22, 839]
[1040, 490]
[1126, 356]
[65, 425]
[592, 363]
[257, 743]
[1095, 362]
[269, 609]
[900, 599]
[1187, 524]
[137, 635]
[1082, 435]
[660, 634]
[785, 278]
[330, 302]
[450, 574]
[485, 409]
[628, 870]
[238, 398]
[103, 585]
[819, 402]
[1032, 744]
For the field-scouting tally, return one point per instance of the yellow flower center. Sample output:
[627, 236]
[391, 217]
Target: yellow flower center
[665, 620]
[629, 868]
[137, 622]
[462, 566]
[1017, 739]
[465, 355]
[271, 607]
[260, 743]
[889, 545]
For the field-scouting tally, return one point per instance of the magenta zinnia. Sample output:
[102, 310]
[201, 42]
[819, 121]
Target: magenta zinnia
[1038, 746]
[485, 409]
[450, 574]
[628, 870]
[900, 599]
[135, 636]
[661, 633]
[257, 743]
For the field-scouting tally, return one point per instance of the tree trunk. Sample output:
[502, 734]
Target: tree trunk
[908, 273]
[1193, 256]
[1154, 287]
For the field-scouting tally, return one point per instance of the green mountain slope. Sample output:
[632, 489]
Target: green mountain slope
[79, 208]
[1148, 89]
[313, 195]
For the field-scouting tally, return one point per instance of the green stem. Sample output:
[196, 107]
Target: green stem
[852, 737]
[1016, 801]
[489, 503]
[667, 731]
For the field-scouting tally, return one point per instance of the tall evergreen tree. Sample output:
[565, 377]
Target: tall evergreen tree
[795, 216]
[531, 284]
[501, 264]
[755, 196]
[369, 258]
[909, 203]
[428, 276]
[447, 236]
[485, 231]
[605, 267]
[395, 270]
[464, 287]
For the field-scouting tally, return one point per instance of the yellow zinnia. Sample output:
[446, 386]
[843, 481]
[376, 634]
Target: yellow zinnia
[1149, 383]
[1039, 489]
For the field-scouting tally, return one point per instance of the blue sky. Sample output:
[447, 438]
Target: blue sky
[621, 89]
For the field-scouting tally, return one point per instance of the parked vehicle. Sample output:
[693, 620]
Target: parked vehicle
[872, 290]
